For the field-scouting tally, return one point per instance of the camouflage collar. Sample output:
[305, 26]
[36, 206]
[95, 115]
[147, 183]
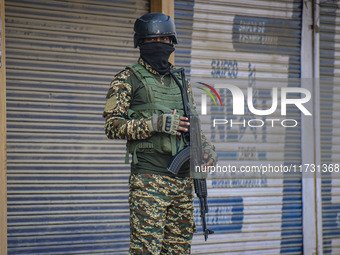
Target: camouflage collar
[149, 68]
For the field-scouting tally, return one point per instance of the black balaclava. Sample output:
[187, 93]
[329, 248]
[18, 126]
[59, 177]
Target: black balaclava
[157, 54]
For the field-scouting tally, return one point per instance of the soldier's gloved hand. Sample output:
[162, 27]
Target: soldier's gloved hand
[169, 123]
[166, 123]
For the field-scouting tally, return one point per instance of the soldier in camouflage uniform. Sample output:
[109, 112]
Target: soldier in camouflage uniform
[141, 100]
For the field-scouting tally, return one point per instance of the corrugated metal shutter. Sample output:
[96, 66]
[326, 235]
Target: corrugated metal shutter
[67, 186]
[247, 41]
[330, 119]
[184, 20]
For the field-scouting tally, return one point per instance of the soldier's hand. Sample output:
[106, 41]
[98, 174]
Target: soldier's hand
[210, 157]
[183, 124]
[209, 161]
[171, 124]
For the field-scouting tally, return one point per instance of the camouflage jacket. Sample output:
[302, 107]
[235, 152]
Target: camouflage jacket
[122, 93]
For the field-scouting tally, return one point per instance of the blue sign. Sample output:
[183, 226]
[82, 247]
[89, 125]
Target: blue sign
[225, 215]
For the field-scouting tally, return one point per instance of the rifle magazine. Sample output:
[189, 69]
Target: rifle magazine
[178, 160]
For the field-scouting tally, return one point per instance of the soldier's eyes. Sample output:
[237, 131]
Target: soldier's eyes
[158, 39]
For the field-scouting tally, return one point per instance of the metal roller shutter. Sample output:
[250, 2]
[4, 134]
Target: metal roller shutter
[67, 186]
[255, 43]
[184, 21]
[330, 119]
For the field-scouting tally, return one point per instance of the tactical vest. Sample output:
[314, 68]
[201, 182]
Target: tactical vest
[160, 99]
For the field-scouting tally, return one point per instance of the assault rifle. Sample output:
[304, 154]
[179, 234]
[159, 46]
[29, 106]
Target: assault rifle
[193, 151]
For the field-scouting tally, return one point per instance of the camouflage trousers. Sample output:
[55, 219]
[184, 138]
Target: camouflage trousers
[161, 214]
